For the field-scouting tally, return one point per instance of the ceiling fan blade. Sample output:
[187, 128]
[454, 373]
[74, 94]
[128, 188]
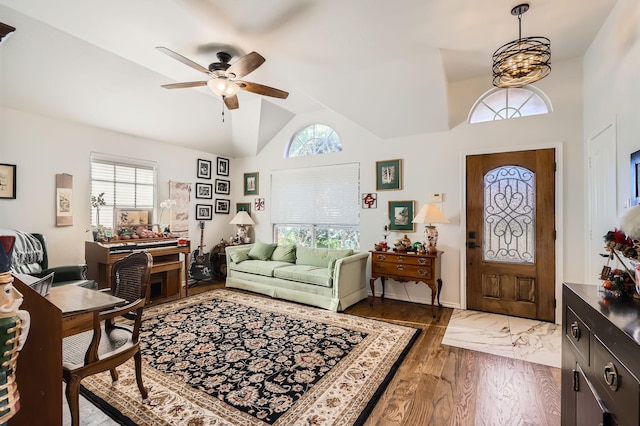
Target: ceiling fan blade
[261, 89]
[243, 66]
[231, 101]
[182, 59]
[183, 85]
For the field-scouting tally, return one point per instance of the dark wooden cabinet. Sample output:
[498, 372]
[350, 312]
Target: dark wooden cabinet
[402, 266]
[600, 358]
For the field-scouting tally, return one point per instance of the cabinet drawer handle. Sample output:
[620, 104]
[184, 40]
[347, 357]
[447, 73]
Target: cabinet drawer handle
[611, 376]
[400, 267]
[575, 330]
[422, 261]
[423, 272]
[381, 257]
[400, 258]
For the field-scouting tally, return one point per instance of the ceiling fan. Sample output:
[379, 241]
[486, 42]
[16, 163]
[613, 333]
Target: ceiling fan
[224, 76]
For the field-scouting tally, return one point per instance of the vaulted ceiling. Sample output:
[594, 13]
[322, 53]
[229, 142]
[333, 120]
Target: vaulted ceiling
[384, 65]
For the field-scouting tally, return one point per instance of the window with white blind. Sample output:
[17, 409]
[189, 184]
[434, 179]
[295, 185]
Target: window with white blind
[317, 206]
[125, 183]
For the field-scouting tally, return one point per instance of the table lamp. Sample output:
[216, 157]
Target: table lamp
[430, 213]
[242, 219]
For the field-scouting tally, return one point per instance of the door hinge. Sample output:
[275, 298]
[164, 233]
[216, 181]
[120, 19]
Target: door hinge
[555, 166]
[576, 386]
[555, 234]
[555, 303]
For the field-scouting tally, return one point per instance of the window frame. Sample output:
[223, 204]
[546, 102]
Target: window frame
[534, 92]
[296, 135]
[113, 160]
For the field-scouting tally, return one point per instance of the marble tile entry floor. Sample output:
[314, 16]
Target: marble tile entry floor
[528, 340]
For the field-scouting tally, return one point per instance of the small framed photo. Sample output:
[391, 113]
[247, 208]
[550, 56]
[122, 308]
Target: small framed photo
[8, 181]
[258, 204]
[223, 167]
[401, 215]
[203, 212]
[388, 175]
[204, 169]
[223, 186]
[251, 183]
[222, 206]
[243, 207]
[203, 190]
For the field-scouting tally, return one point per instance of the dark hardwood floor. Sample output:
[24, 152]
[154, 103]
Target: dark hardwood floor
[444, 385]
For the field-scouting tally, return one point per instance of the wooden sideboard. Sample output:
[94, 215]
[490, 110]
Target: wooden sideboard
[407, 266]
[167, 271]
[600, 352]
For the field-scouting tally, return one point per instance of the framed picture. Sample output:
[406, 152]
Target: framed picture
[223, 167]
[258, 204]
[370, 200]
[132, 216]
[388, 174]
[64, 200]
[7, 181]
[204, 169]
[251, 183]
[401, 216]
[222, 206]
[243, 207]
[223, 186]
[203, 212]
[203, 190]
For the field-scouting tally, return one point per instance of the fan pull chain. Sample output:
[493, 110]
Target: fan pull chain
[223, 112]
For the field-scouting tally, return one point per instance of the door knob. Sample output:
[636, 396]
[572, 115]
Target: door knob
[472, 244]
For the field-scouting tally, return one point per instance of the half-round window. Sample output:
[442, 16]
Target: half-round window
[313, 140]
[503, 104]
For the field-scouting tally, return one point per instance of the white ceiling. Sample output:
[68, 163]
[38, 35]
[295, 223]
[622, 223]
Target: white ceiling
[384, 65]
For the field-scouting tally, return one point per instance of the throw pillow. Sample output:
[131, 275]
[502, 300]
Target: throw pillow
[261, 251]
[284, 254]
[239, 256]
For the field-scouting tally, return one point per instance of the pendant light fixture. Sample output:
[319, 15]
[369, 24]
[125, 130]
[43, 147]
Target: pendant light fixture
[522, 61]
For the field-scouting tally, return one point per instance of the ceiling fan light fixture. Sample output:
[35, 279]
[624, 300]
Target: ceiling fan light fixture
[522, 61]
[223, 86]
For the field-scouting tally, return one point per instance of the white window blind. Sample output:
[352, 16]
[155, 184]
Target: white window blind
[124, 184]
[316, 195]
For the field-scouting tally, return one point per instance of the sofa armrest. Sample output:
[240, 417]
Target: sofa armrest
[66, 273]
[350, 274]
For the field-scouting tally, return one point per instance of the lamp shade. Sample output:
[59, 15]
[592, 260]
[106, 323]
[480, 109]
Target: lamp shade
[430, 213]
[223, 86]
[242, 218]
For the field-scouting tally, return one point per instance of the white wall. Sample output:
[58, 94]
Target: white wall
[434, 163]
[42, 147]
[612, 90]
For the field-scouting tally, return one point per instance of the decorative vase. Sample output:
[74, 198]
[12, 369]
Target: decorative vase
[431, 238]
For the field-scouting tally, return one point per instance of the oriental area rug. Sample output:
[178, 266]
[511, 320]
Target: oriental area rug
[231, 358]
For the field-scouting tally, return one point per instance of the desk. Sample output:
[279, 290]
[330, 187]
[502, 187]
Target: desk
[65, 311]
[401, 266]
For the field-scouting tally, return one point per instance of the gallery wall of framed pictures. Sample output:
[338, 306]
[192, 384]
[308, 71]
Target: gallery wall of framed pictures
[206, 190]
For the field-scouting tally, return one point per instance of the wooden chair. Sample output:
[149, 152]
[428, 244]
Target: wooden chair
[109, 344]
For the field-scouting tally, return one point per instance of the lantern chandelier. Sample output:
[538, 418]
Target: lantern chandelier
[522, 61]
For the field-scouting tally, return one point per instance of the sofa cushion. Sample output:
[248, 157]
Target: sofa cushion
[284, 253]
[259, 267]
[261, 251]
[239, 255]
[319, 257]
[305, 274]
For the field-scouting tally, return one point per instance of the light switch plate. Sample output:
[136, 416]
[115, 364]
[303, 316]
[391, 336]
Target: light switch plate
[436, 198]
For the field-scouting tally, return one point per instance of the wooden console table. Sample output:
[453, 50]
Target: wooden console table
[404, 266]
[167, 271]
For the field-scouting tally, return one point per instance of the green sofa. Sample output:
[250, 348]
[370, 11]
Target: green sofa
[329, 279]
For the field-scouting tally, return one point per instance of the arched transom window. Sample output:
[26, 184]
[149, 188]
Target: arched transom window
[313, 140]
[503, 104]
